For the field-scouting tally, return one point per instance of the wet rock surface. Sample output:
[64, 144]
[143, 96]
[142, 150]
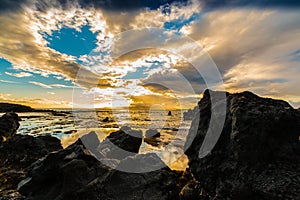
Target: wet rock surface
[258, 153]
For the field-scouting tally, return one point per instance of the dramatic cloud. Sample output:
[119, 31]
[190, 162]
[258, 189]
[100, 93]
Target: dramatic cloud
[22, 44]
[131, 5]
[254, 48]
[214, 4]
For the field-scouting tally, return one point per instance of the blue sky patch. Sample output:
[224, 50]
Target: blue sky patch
[4, 65]
[181, 22]
[72, 42]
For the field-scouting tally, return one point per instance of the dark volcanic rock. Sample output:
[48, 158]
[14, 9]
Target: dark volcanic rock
[257, 155]
[22, 150]
[106, 119]
[159, 184]
[152, 133]
[153, 141]
[190, 114]
[191, 188]
[74, 173]
[120, 144]
[61, 175]
[9, 124]
[19, 152]
[9, 107]
[152, 137]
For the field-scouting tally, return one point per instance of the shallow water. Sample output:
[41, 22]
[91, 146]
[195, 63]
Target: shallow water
[69, 126]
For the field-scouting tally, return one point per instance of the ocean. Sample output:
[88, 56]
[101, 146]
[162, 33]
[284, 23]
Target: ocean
[68, 126]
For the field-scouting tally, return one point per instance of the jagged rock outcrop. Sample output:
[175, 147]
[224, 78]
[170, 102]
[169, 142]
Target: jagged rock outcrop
[9, 124]
[189, 114]
[258, 153]
[121, 144]
[75, 173]
[17, 153]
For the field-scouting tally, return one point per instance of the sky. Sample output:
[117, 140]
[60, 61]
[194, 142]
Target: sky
[144, 54]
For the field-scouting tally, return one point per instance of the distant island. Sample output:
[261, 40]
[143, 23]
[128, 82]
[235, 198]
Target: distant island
[10, 107]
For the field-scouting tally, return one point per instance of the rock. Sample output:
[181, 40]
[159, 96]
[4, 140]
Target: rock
[159, 184]
[12, 196]
[192, 191]
[151, 137]
[152, 133]
[190, 114]
[120, 144]
[22, 150]
[74, 173]
[9, 107]
[58, 113]
[70, 132]
[169, 113]
[106, 119]
[125, 128]
[9, 124]
[153, 141]
[62, 174]
[257, 155]
[17, 153]
[190, 188]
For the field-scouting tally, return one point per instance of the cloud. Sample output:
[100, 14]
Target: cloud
[168, 101]
[230, 40]
[7, 81]
[133, 5]
[40, 84]
[12, 5]
[252, 48]
[215, 4]
[111, 5]
[62, 86]
[50, 86]
[22, 44]
[19, 75]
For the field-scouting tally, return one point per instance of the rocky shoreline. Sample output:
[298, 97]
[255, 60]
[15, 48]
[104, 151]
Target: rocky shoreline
[256, 157]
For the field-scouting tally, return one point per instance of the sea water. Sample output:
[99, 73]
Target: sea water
[68, 126]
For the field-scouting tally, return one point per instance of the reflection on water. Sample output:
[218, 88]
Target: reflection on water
[70, 126]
